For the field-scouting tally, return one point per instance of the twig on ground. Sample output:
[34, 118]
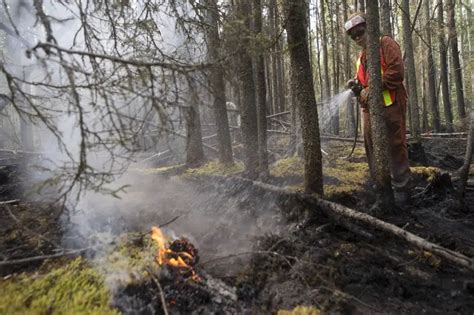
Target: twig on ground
[18, 222]
[162, 295]
[9, 202]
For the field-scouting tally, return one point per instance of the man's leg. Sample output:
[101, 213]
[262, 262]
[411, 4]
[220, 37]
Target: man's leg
[400, 168]
[368, 142]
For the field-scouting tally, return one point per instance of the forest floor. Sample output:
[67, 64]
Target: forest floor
[302, 260]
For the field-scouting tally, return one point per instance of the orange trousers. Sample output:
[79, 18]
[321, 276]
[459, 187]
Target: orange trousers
[394, 117]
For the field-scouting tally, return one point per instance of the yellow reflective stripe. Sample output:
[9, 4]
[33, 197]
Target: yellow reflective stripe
[387, 99]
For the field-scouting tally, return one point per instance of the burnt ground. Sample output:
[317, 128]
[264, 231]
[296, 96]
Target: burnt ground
[317, 262]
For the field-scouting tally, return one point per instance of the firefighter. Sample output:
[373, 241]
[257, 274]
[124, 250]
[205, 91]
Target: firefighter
[394, 103]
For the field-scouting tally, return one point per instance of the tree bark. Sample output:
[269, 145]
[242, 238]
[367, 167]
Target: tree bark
[249, 122]
[443, 63]
[336, 61]
[384, 191]
[411, 71]
[261, 95]
[456, 63]
[350, 113]
[327, 82]
[464, 171]
[194, 148]
[303, 93]
[217, 85]
[386, 25]
[431, 92]
[274, 57]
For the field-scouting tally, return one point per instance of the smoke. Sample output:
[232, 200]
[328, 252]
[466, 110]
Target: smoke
[218, 224]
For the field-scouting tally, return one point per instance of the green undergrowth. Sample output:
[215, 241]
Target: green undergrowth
[215, 168]
[293, 166]
[75, 288]
[79, 286]
[350, 177]
[427, 172]
[128, 260]
[343, 176]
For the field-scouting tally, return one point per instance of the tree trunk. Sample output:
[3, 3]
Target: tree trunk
[443, 63]
[411, 71]
[362, 5]
[261, 95]
[350, 113]
[274, 58]
[378, 127]
[194, 149]
[249, 124]
[217, 85]
[303, 94]
[385, 10]
[326, 83]
[456, 63]
[336, 61]
[431, 92]
[464, 171]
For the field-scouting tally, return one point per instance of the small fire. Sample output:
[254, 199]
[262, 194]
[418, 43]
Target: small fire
[180, 254]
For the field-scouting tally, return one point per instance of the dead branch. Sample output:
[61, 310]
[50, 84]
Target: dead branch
[162, 295]
[18, 222]
[348, 217]
[9, 202]
[278, 114]
[340, 139]
[43, 257]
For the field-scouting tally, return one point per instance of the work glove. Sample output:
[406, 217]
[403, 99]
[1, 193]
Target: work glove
[350, 83]
[364, 98]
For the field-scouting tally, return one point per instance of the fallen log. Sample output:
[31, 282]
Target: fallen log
[347, 217]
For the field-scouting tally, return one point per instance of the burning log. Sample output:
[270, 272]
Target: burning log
[179, 257]
[175, 287]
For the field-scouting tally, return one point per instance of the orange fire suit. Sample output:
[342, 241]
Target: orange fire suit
[394, 114]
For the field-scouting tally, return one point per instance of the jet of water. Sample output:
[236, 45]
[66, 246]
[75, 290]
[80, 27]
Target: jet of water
[329, 107]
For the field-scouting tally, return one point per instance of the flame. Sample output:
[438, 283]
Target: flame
[167, 256]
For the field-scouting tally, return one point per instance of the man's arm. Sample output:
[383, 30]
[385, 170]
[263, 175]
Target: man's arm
[393, 76]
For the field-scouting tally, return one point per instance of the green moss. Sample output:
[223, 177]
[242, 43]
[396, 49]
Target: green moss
[75, 288]
[471, 170]
[293, 166]
[215, 168]
[351, 176]
[128, 261]
[431, 174]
